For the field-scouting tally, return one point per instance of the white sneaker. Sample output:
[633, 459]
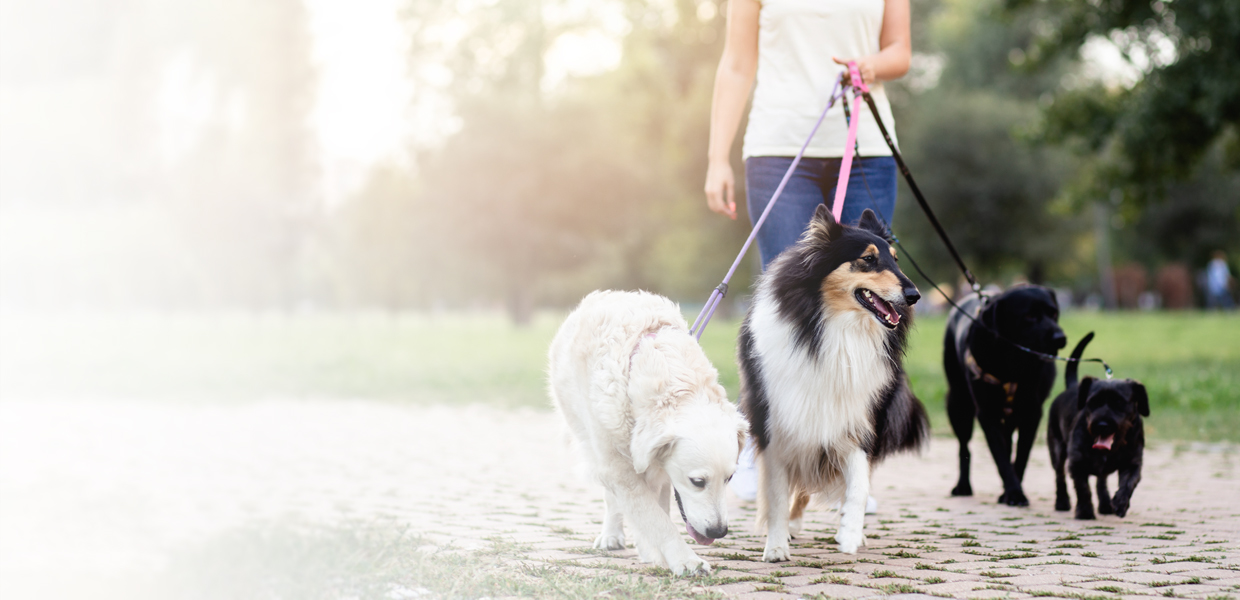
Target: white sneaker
[745, 481]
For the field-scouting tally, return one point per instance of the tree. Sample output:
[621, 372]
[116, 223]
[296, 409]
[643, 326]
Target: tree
[1187, 98]
[991, 186]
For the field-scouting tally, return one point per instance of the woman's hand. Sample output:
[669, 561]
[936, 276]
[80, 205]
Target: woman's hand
[865, 67]
[721, 189]
[894, 43]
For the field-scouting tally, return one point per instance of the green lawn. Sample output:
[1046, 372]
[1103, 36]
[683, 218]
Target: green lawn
[1189, 362]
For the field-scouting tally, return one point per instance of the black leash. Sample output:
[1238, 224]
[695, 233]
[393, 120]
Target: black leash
[925, 207]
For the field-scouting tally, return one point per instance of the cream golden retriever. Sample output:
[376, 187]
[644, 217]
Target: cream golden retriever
[645, 407]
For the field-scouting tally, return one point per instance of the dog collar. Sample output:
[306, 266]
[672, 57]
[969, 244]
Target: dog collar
[1009, 388]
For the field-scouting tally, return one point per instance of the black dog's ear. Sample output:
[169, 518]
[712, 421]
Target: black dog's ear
[823, 226]
[1141, 398]
[1082, 391]
[1054, 298]
[990, 312]
[869, 222]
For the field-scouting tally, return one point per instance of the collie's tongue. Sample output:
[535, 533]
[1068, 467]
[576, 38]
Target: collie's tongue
[1104, 443]
[887, 310]
[697, 537]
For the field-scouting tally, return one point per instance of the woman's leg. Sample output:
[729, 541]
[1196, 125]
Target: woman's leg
[795, 206]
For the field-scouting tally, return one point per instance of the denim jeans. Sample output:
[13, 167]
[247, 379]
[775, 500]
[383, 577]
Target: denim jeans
[871, 184]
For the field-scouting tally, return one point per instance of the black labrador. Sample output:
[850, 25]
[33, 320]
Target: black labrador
[1096, 429]
[995, 382]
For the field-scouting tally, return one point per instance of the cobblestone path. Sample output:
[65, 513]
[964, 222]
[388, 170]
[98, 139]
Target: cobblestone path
[112, 488]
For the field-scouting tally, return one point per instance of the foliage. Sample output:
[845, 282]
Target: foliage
[1158, 130]
[964, 139]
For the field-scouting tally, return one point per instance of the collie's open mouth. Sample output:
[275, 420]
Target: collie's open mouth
[883, 310]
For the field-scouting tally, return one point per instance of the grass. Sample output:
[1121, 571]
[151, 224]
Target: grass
[371, 561]
[1189, 362]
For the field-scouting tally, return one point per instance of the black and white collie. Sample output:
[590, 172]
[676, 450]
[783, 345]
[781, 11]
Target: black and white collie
[821, 376]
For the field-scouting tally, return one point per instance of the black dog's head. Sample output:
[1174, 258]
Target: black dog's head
[1110, 409]
[1027, 315]
[845, 270]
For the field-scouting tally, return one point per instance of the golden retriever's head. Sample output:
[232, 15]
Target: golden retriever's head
[697, 446]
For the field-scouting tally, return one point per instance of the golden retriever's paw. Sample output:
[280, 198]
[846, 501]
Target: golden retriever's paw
[850, 540]
[609, 542]
[691, 566]
[776, 552]
[650, 555]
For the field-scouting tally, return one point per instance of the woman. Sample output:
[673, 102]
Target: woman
[797, 49]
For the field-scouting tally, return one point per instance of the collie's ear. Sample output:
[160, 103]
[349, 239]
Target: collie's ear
[823, 226]
[649, 444]
[1082, 391]
[1141, 398]
[869, 222]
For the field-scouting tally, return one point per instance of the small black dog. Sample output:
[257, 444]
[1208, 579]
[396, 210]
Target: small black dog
[1000, 385]
[1096, 429]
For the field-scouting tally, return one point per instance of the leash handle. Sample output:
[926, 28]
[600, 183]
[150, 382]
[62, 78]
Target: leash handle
[841, 186]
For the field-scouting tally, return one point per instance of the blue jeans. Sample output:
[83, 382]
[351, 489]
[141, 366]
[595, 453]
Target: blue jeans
[871, 184]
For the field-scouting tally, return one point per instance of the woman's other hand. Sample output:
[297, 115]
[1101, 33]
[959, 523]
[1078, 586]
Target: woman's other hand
[721, 189]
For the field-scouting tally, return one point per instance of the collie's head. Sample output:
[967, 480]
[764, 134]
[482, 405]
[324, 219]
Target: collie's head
[838, 270]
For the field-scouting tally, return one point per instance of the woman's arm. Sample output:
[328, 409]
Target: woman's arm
[895, 45]
[733, 82]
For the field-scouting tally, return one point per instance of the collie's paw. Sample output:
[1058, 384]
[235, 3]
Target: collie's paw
[1062, 504]
[794, 527]
[776, 552]
[609, 542]
[850, 541]
[962, 489]
[690, 566]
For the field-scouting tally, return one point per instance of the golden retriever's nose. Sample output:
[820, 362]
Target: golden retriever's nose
[717, 531]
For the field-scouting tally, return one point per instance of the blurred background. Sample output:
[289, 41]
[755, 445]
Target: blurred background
[392, 155]
[222, 221]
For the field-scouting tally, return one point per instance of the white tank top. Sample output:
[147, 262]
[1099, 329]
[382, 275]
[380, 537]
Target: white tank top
[796, 40]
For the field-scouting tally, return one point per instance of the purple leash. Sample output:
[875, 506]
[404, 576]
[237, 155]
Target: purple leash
[708, 311]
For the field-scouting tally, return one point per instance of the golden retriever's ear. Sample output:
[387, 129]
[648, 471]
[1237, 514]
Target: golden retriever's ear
[649, 444]
[742, 432]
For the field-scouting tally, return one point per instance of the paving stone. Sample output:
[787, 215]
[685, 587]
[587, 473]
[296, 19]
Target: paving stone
[833, 590]
[426, 469]
[766, 595]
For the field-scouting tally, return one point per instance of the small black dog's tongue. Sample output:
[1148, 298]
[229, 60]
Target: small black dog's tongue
[1104, 443]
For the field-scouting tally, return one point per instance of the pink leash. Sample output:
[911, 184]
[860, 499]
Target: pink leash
[841, 187]
[716, 296]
